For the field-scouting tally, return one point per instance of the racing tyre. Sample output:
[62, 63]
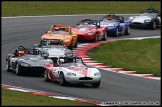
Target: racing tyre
[117, 32]
[18, 70]
[76, 44]
[46, 78]
[96, 84]
[105, 36]
[95, 39]
[127, 31]
[8, 67]
[62, 79]
[71, 46]
[153, 25]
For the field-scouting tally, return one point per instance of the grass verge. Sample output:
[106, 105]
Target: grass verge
[28, 8]
[15, 98]
[142, 56]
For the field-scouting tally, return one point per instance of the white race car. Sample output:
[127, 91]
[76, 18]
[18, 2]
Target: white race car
[150, 18]
[72, 70]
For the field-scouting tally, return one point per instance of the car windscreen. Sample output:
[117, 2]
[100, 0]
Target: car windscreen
[73, 64]
[86, 26]
[60, 32]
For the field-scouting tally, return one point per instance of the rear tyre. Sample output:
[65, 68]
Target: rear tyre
[95, 39]
[62, 79]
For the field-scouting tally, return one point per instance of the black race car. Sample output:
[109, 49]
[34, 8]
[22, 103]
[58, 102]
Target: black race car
[26, 61]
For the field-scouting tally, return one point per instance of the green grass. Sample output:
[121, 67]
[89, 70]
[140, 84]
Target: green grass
[142, 56]
[26, 8]
[15, 98]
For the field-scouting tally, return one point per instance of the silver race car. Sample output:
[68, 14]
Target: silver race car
[72, 70]
[54, 51]
[24, 61]
[150, 18]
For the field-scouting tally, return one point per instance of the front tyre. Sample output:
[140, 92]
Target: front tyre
[105, 36]
[18, 70]
[127, 31]
[46, 78]
[153, 25]
[8, 67]
[76, 44]
[117, 32]
[96, 84]
[95, 39]
[71, 46]
[62, 79]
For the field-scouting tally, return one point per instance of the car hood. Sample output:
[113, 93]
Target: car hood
[109, 23]
[35, 61]
[83, 30]
[82, 71]
[140, 19]
[55, 36]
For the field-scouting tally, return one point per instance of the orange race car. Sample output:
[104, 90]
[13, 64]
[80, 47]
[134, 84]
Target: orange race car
[59, 34]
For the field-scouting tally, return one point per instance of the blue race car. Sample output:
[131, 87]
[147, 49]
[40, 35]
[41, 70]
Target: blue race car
[115, 25]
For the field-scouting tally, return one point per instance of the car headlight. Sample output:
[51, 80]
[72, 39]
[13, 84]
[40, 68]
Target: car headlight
[90, 33]
[71, 74]
[25, 64]
[97, 74]
[66, 40]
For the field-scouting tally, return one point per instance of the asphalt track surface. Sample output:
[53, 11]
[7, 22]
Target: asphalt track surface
[114, 86]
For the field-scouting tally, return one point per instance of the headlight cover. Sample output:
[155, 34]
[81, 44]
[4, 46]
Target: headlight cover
[71, 74]
[25, 64]
[66, 40]
[97, 74]
[148, 21]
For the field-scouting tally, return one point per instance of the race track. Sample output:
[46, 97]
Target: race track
[114, 86]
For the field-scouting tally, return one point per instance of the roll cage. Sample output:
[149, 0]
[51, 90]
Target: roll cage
[71, 59]
[114, 17]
